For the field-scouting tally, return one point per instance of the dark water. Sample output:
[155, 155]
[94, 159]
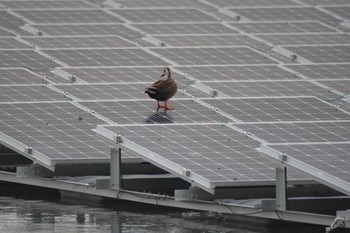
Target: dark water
[18, 215]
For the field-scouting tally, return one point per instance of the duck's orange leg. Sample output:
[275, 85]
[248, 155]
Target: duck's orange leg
[166, 107]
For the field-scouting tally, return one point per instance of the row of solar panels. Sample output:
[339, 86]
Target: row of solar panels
[240, 80]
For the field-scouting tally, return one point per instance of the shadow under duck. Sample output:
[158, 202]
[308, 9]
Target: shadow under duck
[163, 90]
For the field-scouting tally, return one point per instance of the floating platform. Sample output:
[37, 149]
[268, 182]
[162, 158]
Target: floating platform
[260, 126]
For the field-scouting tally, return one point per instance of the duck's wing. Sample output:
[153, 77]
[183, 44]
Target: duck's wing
[162, 89]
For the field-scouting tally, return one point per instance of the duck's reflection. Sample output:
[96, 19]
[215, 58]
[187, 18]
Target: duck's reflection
[159, 118]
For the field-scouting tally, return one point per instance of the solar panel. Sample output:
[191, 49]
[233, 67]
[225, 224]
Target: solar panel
[12, 43]
[79, 42]
[26, 93]
[324, 71]
[165, 15]
[9, 21]
[81, 29]
[25, 58]
[342, 11]
[215, 153]
[238, 73]
[210, 40]
[279, 109]
[323, 54]
[4, 32]
[307, 39]
[263, 3]
[105, 57]
[214, 56]
[301, 132]
[44, 4]
[184, 28]
[339, 85]
[156, 3]
[132, 91]
[283, 27]
[235, 90]
[144, 112]
[286, 14]
[69, 16]
[272, 88]
[325, 162]
[116, 74]
[326, 2]
[59, 130]
[18, 76]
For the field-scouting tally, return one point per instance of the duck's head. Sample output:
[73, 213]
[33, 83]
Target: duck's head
[166, 73]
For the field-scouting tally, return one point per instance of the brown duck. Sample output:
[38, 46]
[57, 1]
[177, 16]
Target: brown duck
[163, 90]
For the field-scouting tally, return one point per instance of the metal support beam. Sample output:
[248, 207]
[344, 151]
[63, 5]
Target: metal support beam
[281, 188]
[116, 176]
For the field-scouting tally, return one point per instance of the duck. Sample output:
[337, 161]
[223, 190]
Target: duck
[163, 90]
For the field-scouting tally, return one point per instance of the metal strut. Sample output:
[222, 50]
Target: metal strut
[116, 175]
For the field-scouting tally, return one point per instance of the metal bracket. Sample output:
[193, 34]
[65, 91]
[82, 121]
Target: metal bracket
[35, 170]
[338, 222]
[192, 194]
